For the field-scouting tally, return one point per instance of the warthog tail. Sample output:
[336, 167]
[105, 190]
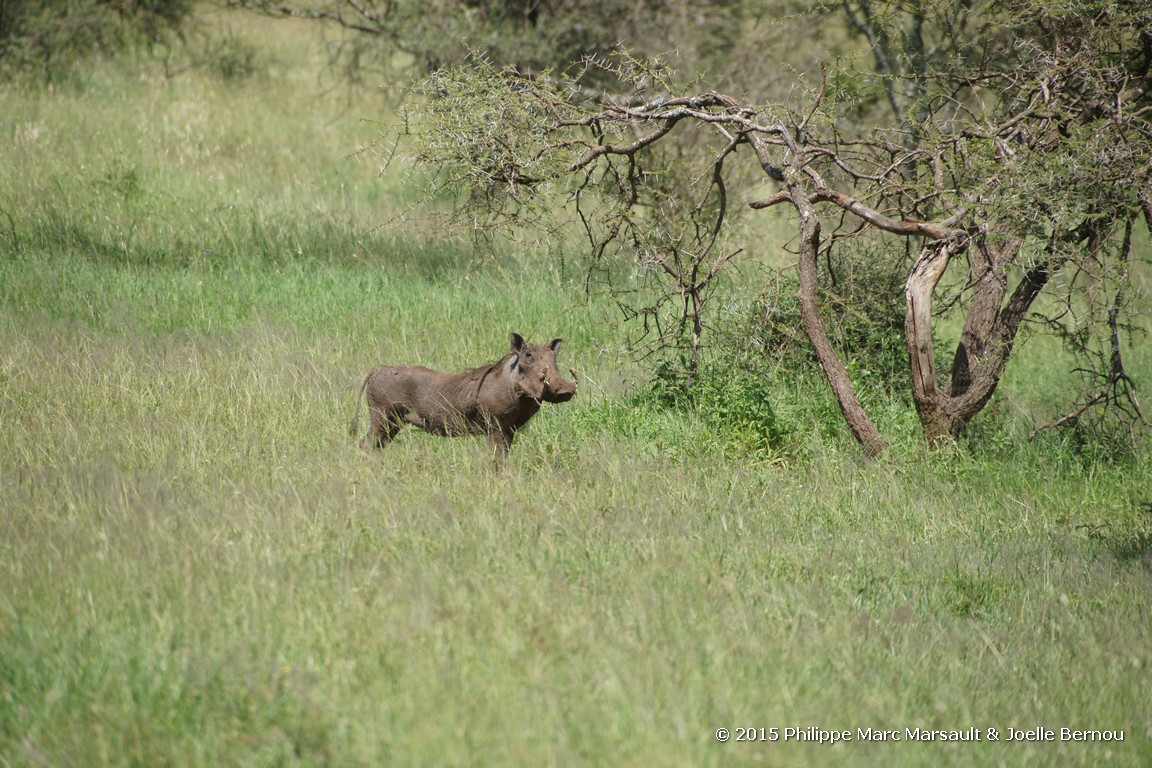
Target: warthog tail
[354, 427]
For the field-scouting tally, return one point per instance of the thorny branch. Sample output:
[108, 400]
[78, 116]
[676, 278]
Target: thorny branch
[1117, 391]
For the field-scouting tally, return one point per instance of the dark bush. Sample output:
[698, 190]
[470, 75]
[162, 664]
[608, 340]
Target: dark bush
[51, 36]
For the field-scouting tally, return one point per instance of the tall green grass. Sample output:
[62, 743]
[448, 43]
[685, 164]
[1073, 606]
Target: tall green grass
[197, 567]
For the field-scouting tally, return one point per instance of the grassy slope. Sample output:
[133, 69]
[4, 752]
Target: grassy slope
[197, 568]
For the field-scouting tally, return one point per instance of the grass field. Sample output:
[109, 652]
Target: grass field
[198, 568]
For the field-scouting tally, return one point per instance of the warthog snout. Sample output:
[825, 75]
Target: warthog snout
[560, 390]
[495, 400]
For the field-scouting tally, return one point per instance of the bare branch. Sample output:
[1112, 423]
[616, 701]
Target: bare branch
[931, 230]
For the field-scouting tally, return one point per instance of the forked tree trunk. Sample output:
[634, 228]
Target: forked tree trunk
[990, 329]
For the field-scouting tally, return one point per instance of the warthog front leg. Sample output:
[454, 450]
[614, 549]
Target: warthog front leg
[499, 441]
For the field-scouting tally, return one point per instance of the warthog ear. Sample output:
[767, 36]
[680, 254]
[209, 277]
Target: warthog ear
[554, 345]
[517, 344]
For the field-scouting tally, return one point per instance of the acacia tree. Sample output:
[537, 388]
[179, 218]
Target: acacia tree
[1021, 159]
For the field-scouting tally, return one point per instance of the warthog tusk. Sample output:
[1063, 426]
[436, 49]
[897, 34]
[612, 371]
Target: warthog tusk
[575, 378]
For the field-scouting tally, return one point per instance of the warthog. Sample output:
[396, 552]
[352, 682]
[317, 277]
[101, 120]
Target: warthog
[494, 400]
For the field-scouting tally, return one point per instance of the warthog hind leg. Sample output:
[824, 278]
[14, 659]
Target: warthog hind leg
[381, 431]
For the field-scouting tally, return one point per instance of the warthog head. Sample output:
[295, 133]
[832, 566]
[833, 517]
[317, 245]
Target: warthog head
[534, 373]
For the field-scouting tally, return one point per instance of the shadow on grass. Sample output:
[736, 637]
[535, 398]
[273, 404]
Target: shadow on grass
[231, 238]
[1135, 546]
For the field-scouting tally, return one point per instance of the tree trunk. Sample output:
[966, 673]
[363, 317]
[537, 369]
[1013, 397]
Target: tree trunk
[930, 401]
[862, 427]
